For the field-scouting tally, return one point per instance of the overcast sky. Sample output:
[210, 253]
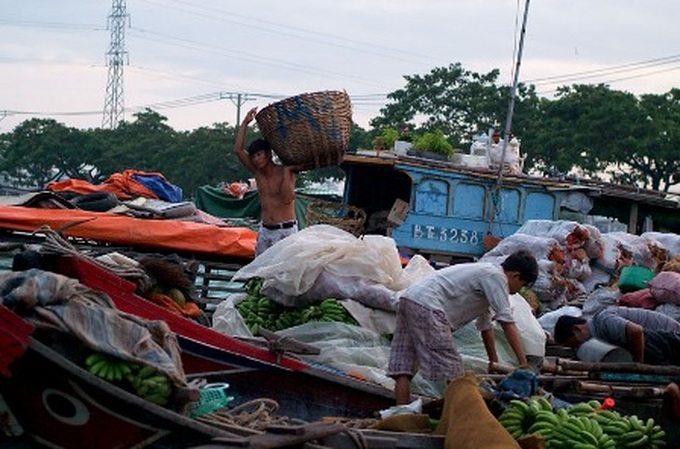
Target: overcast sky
[187, 57]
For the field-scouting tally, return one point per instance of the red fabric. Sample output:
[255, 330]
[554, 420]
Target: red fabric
[123, 185]
[14, 333]
[640, 298]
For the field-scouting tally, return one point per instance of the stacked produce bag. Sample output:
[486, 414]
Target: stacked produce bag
[575, 259]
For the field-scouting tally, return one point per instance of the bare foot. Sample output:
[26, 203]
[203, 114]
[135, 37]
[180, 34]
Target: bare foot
[671, 401]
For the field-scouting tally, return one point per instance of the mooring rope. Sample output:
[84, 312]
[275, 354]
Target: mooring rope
[258, 414]
[56, 244]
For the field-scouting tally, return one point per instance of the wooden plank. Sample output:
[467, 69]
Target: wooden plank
[619, 367]
[313, 431]
[214, 282]
[639, 378]
[405, 440]
[279, 344]
[286, 430]
[620, 390]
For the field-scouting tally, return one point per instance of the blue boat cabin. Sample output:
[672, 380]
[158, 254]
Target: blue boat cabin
[449, 211]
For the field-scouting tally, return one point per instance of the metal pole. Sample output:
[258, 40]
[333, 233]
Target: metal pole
[511, 110]
[513, 93]
[238, 110]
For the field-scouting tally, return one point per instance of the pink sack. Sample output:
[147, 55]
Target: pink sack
[640, 298]
[665, 287]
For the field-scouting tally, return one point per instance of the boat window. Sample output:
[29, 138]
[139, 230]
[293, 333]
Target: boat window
[508, 210]
[432, 197]
[539, 206]
[469, 200]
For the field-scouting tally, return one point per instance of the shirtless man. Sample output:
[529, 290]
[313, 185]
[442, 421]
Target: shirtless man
[276, 186]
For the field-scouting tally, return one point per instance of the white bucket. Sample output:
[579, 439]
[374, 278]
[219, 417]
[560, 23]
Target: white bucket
[595, 350]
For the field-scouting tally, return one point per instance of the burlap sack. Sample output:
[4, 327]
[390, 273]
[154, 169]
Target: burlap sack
[411, 422]
[467, 422]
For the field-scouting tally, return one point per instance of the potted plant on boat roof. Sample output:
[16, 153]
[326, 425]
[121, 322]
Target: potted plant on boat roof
[432, 145]
[385, 141]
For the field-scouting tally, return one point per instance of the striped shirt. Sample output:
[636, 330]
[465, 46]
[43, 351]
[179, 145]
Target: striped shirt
[610, 324]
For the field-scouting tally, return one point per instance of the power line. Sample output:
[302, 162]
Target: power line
[238, 54]
[294, 32]
[552, 80]
[54, 25]
[210, 97]
[620, 79]
[607, 70]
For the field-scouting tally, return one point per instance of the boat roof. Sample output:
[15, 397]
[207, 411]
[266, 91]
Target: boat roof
[595, 188]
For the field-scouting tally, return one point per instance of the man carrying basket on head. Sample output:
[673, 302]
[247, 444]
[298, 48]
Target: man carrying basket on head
[275, 184]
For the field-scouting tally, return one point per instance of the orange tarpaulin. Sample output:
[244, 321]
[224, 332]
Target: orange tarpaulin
[144, 233]
[123, 185]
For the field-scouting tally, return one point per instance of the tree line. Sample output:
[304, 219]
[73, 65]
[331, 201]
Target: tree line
[591, 130]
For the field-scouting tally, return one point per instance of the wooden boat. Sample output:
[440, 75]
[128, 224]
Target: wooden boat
[50, 401]
[303, 390]
[445, 210]
[60, 404]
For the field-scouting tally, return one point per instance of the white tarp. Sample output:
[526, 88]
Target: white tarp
[321, 259]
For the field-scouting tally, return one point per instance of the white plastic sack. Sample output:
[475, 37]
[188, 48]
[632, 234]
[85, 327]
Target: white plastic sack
[569, 234]
[328, 285]
[539, 246]
[578, 269]
[598, 278]
[549, 319]
[227, 320]
[668, 240]
[647, 251]
[600, 299]
[512, 157]
[356, 351]
[532, 334]
[379, 321]
[292, 266]
[550, 285]
[577, 202]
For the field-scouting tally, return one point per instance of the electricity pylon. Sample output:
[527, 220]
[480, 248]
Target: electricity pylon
[114, 104]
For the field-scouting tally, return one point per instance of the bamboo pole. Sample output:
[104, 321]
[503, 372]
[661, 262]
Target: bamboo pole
[569, 365]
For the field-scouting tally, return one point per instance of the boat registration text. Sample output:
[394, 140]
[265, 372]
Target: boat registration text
[451, 235]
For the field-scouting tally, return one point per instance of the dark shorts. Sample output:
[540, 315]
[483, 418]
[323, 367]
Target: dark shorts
[662, 347]
[423, 341]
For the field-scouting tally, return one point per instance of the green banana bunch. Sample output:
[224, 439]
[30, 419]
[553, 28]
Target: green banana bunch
[151, 384]
[631, 431]
[109, 367]
[584, 408]
[253, 286]
[333, 310]
[146, 381]
[260, 311]
[626, 431]
[584, 425]
[580, 432]
[529, 416]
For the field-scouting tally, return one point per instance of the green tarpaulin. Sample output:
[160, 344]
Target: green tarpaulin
[219, 203]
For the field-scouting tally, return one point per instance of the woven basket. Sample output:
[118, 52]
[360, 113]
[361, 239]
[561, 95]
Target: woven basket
[310, 130]
[213, 397]
[340, 215]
